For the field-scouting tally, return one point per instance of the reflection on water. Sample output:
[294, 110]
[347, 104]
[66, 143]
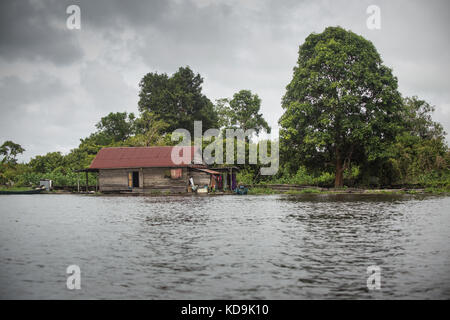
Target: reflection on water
[225, 247]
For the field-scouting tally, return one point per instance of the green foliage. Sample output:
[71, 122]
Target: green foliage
[245, 177]
[303, 191]
[224, 113]
[418, 121]
[342, 105]
[419, 155]
[412, 157]
[14, 188]
[60, 178]
[47, 163]
[263, 190]
[9, 168]
[177, 100]
[10, 150]
[117, 126]
[259, 190]
[303, 177]
[241, 112]
[149, 131]
[438, 190]
[9, 172]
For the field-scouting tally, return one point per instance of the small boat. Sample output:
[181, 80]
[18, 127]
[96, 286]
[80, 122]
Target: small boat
[32, 191]
[242, 190]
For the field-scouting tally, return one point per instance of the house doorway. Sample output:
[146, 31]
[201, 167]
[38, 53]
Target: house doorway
[133, 179]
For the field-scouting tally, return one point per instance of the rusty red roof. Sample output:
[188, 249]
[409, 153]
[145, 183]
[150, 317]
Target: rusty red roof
[139, 157]
[209, 171]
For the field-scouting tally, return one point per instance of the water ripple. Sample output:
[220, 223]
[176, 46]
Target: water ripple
[225, 247]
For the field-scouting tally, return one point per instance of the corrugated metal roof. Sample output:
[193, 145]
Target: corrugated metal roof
[135, 157]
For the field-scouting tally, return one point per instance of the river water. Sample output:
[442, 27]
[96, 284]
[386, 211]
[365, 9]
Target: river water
[225, 247]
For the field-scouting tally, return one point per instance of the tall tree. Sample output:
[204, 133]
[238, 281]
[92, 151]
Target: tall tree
[418, 120]
[10, 150]
[243, 111]
[342, 104]
[177, 100]
[419, 150]
[224, 113]
[149, 131]
[118, 126]
[47, 163]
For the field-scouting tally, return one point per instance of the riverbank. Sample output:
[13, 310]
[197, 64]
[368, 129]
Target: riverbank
[295, 189]
[271, 189]
[15, 189]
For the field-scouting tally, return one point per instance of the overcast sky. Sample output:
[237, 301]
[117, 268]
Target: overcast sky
[56, 83]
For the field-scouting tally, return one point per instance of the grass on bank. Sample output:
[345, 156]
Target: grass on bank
[262, 190]
[268, 191]
[15, 188]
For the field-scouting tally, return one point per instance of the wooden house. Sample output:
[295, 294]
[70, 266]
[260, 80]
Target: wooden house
[150, 169]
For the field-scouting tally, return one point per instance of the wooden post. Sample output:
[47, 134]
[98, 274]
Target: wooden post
[87, 182]
[231, 179]
[96, 182]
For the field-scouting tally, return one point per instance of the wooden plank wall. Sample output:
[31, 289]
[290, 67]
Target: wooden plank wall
[113, 179]
[200, 178]
[150, 179]
[154, 179]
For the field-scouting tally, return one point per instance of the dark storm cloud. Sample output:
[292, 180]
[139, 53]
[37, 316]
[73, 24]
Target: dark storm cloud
[20, 92]
[34, 30]
[168, 30]
[30, 113]
[117, 14]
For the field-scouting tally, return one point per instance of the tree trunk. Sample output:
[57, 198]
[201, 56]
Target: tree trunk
[339, 175]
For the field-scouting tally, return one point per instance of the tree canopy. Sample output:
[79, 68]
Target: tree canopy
[177, 100]
[118, 126]
[342, 104]
[10, 150]
[418, 120]
[149, 131]
[243, 111]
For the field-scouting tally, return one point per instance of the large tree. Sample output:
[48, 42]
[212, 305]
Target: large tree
[149, 131]
[419, 150]
[177, 100]
[10, 150]
[417, 114]
[118, 126]
[342, 105]
[243, 111]
[47, 163]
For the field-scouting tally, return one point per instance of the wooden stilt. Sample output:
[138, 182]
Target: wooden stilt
[231, 179]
